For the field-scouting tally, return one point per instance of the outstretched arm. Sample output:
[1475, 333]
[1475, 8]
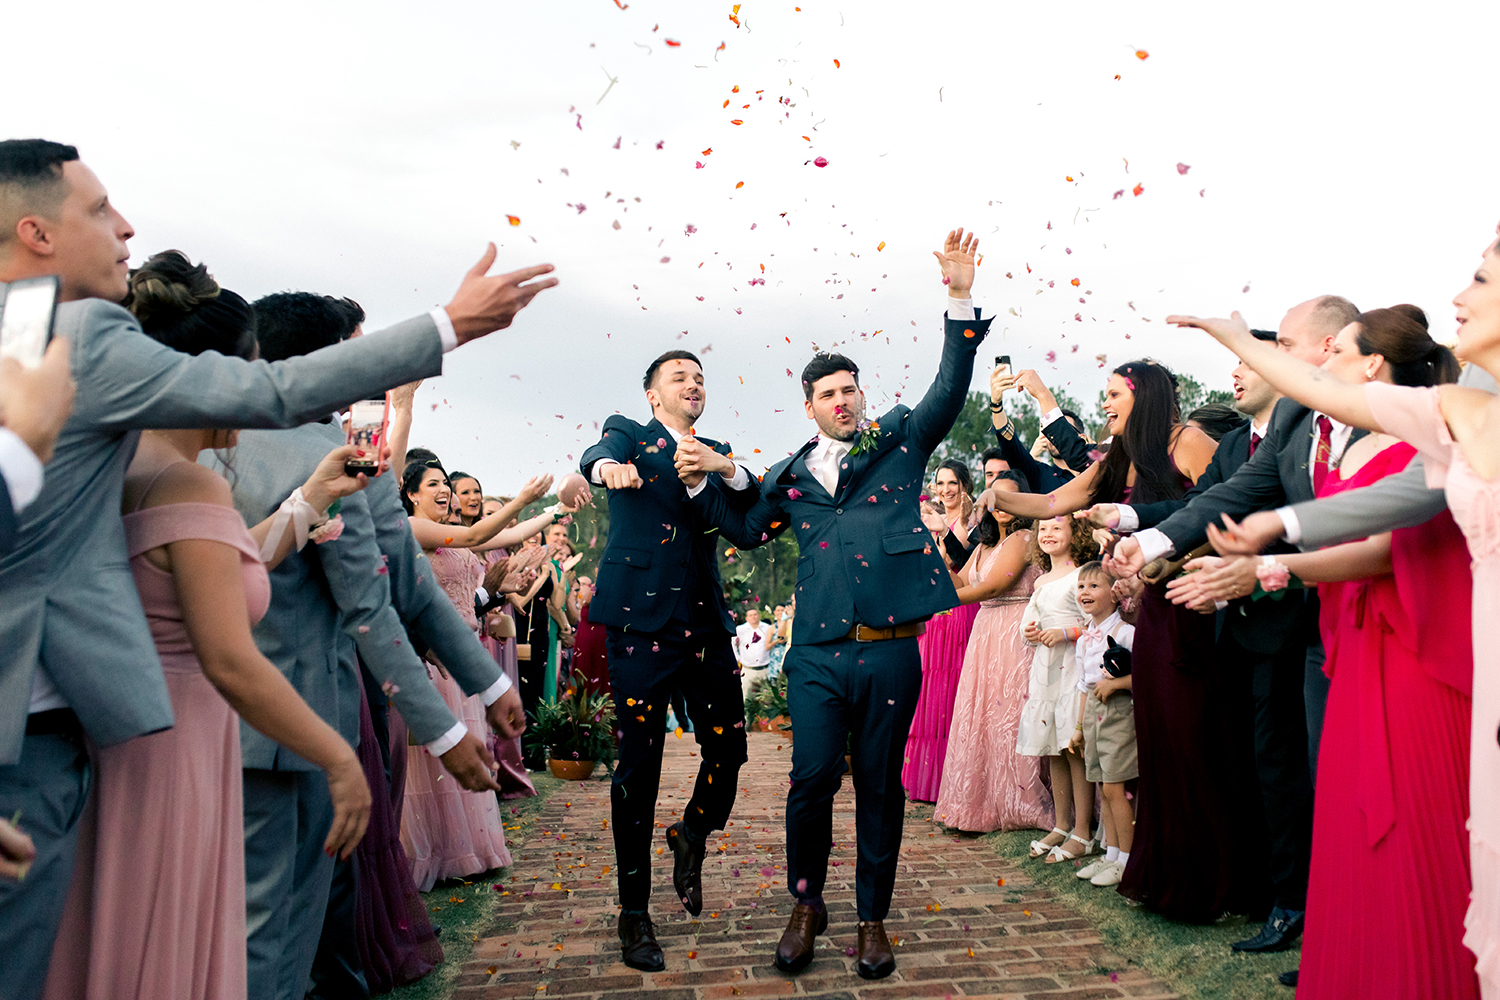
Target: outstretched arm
[1070, 496]
[932, 418]
[1311, 386]
[744, 529]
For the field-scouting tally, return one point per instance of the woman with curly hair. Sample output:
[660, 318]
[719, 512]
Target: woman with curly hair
[1051, 624]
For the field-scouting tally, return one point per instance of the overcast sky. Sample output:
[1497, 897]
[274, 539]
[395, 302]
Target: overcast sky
[1283, 150]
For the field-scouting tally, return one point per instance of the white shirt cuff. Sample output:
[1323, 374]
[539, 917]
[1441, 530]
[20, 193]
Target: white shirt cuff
[21, 468]
[1292, 525]
[449, 337]
[1051, 415]
[1153, 544]
[960, 308]
[492, 694]
[695, 490]
[448, 740]
[1129, 519]
[594, 476]
[739, 480]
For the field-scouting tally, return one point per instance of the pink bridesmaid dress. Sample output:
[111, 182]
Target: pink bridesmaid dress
[986, 785]
[1413, 415]
[157, 904]
[446, 830]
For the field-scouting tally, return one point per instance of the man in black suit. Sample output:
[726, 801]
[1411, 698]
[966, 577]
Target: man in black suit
[34, 405]
[667, 628]
[1279, 639]
[868, 579]
[1062, 428]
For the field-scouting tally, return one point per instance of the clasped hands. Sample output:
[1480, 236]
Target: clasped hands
[1231, 574]
[694, 460]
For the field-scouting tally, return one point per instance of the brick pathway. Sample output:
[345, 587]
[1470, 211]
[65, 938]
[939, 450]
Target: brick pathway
[959, 933]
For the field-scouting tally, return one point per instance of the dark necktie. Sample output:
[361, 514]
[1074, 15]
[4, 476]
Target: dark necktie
[1323, 454]
[1254, 443]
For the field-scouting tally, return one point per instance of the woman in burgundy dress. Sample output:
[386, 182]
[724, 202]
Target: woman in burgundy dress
[1184, 861]
[588, 646]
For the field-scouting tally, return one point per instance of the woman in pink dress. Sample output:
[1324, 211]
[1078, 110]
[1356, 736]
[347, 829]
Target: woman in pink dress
[157, 904]
[944, 643]
[1457, 432]
[987, 785]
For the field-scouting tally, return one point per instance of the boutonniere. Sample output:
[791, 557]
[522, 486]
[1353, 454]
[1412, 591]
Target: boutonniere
[866, 435]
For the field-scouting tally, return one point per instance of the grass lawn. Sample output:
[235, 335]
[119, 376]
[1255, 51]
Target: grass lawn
[1194, 959]
[464, 908]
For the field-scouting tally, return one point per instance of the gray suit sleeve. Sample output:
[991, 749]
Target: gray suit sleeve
[357, 579]
[1402, 500]
[452, 642]
[127, 380]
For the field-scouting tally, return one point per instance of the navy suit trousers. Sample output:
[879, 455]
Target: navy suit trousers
[645, 669]
[833, 689]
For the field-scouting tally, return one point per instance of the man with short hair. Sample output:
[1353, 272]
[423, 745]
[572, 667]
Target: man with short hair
[752, 650]
[992, 460]
[1298, 449]
[667, 628]
[868, 580]
[66, 591]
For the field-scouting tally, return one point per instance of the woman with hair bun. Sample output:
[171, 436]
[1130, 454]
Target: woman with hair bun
[1388, 883]
[157, 905]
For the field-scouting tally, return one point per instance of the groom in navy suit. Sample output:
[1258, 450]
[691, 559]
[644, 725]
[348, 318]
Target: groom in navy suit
[667, 629]
[867, 581]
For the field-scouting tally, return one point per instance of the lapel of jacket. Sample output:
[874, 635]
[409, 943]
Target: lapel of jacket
[1296, 472]
[797, 475]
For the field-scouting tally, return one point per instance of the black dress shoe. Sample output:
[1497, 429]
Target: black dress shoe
[795, 949]
[638, 947]
[876, 960]
[1288, 978]
[1282, 928]
[687, 868]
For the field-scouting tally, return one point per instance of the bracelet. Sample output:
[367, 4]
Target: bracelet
[302, 516]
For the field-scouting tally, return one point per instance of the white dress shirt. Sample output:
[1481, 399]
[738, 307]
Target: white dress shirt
[21, 468]
[751, 651]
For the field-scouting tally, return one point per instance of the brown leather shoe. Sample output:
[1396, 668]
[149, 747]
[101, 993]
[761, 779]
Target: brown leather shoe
[795, 949]
[876, 960]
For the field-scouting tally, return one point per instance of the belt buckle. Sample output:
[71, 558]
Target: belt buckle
[859, 633]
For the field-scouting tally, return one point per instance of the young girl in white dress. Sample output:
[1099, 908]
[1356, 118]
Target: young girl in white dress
[1052, 623]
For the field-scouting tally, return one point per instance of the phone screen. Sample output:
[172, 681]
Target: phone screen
[368, 420]
[26, 321]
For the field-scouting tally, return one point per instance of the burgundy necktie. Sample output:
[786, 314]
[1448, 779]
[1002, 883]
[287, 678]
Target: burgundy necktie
[1254, 443]
[1322, 455]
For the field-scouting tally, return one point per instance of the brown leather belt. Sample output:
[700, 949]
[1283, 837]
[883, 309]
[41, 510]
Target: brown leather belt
[869, 633]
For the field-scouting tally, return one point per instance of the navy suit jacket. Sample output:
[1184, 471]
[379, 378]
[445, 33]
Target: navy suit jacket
[866, 557]
[1046, 477]
[653, 531]
[7, 518]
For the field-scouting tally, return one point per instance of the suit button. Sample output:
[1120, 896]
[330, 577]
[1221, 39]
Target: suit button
[838, 510]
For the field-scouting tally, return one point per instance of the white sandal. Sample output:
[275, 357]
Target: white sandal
[1038, 849]
[1057, 853]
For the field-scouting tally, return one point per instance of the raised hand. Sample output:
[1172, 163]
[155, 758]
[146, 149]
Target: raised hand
[1101, 515]
[36, 402]
[957, 261]
[621, 476]
[329, 482]
[1033, 384]
[1249, 537]
[484, 303]
[1002, 380]
[1225, 331]
[535, 488]
[403, 395]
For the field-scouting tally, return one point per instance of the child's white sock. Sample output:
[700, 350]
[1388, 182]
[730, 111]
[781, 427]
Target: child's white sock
[1123, 857]
[1112, 853]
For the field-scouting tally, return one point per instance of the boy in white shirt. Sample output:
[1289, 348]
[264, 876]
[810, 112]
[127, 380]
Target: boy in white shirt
[1105, 734]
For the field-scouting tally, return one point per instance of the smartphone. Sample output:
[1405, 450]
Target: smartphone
[26, 320]
[369, 419]
[1003, 361]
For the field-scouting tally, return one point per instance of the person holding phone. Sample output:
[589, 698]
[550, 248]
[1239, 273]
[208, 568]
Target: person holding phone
[57, 610]
[1062, 430]
[35, 403]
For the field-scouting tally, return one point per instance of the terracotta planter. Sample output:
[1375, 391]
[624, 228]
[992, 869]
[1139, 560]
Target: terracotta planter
[571, 770]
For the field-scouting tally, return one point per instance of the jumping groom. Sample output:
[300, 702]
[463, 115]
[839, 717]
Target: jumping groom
[667, 629]
[867, 582]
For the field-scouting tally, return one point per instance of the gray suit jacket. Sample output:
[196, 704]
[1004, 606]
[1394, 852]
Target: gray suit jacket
[1399, 501]
[338, 586]
[423, 605]
[67, 597]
